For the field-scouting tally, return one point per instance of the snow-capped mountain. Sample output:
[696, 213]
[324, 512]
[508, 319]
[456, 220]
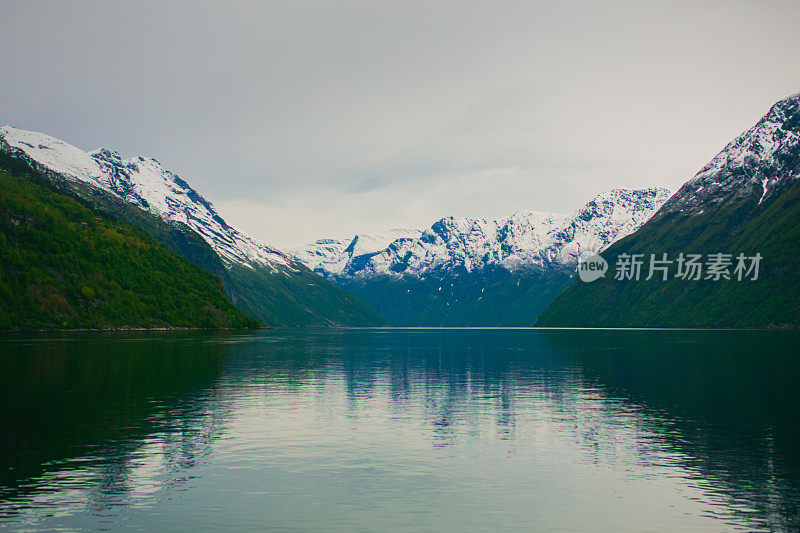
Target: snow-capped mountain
[746, 200]
[751, 170]
[332, 256]
[144, 183]
[478, 272]
[260, 280]
[524, 241]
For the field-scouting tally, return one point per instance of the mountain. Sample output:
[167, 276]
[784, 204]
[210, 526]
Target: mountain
[334, 256]
[67, 266]
[478, 272]
[744, 201]
[259, 279]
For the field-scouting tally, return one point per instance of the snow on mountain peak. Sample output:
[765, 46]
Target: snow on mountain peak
[143, 182]
[54, 154]
[333, 255]
[525, 240]
[750, 167]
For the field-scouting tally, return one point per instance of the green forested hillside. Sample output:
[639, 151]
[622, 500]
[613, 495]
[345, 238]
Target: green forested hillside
[302, 299]
[176, 237]
[65, 265]
[293, 297]
[772, 300]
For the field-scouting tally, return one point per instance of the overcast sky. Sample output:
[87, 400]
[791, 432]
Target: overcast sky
[303, 119]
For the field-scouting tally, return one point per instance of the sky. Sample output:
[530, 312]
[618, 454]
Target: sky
[306, 119]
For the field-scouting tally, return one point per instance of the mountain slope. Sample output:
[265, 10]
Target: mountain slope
[744, 201]
[477, 272]
[333, 256]
[64, 265]
[258, 279]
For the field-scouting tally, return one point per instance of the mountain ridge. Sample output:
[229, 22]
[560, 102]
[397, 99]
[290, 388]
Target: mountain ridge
[67, 265]
[145, 183]
[525, 239]
[259, 279]
[472, 271]
[745, 200]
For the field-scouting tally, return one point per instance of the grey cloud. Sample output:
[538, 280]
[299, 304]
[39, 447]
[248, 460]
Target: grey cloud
[264, 102]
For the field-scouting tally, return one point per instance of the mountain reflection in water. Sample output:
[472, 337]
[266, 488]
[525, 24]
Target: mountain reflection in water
[419, 429]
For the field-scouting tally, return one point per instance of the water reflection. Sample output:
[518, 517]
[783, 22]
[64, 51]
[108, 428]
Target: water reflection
[80, 413]
[337, 429]
[725, 402]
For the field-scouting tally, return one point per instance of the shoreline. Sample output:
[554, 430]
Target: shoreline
[125, 329]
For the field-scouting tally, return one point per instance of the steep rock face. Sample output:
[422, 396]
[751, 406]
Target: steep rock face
[472, 271]
[745, 200]
[258, 278]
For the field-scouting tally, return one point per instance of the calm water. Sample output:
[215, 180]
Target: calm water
[401, 429]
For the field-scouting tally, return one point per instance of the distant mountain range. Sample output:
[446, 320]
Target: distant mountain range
[472, 271]
[746, 200]
[458, 272]
[259, 279]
